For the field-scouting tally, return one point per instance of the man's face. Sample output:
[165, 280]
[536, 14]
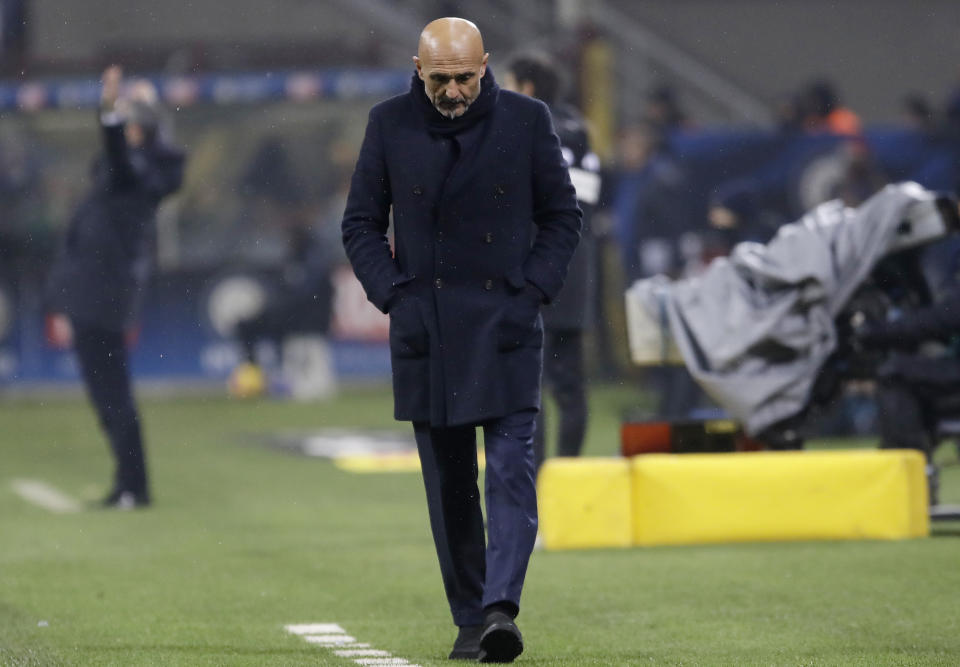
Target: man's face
[451, 83]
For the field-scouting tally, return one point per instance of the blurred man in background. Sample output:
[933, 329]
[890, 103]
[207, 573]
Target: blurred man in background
[824, 112]
[296, 313]
[565, 319]
[470, 172]
[918, 381]
[298, 305]
[97, 282]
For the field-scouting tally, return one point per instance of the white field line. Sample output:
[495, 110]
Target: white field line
[330, 640]
[315, 629]
[43, 495]
[331, 635]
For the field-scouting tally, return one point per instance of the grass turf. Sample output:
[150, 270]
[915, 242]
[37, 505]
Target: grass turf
[243, 539]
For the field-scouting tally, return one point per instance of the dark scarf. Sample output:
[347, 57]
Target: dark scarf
[437, 123]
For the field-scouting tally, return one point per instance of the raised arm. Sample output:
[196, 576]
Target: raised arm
[160, 175]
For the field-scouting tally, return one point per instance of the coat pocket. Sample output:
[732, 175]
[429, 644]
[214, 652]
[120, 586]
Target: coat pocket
[408, 333]
[516, 282]
[519, 324]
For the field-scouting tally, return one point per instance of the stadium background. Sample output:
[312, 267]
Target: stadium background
[291, 81]
[245, 537]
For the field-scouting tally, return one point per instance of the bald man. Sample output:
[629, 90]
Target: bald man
[485, 221]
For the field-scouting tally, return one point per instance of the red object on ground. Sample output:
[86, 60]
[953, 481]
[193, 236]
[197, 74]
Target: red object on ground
[645, 438]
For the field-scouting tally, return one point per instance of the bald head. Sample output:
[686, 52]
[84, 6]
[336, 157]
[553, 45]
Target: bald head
[450, 38]
[450, 60]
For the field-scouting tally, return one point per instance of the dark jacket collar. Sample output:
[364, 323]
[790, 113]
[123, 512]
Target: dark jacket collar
[437, 123]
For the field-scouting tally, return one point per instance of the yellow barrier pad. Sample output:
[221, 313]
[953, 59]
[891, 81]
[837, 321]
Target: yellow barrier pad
[773, 496]
[585, 502]
[388, 462]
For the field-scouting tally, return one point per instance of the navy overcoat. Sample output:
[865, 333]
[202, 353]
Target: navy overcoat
[482, 219]
[101, 272]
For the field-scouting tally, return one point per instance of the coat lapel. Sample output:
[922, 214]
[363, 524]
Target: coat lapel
[468, 163]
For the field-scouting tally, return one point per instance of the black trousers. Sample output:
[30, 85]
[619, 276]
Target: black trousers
[287, 313]
[910, 394]
[481, 570]
[106, 374]
[270, 325]
[563, 377]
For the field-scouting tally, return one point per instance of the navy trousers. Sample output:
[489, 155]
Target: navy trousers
[103, 362]
[478, 572]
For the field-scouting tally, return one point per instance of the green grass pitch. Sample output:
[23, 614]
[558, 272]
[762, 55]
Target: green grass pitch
[243, 540]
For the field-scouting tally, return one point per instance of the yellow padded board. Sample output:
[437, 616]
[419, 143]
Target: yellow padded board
[773, 496]
[585, 502]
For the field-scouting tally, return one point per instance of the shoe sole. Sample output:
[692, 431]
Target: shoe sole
[500, 643]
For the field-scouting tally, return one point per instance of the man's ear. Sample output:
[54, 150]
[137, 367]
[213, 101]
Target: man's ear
[416, 61]
[483, 64]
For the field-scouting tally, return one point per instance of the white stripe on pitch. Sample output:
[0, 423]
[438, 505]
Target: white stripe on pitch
[330, 640]
[43, 495]
[315, 629]
[333, 636]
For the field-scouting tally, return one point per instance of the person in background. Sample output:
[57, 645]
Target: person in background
[663, 111]
[861, 177]
[97, 282]
[565, 319]
[824, 112]
[300, 303]
[919, 376]
[648, 203]
[469, 171]
[916, 112]
[735, 214]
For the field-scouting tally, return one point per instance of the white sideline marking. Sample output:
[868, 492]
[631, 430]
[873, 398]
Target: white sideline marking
[43, 495]
[333, 636]
[330, 640]
[315, 629]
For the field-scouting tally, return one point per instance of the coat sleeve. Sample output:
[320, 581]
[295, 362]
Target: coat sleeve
[366, 219]
[159, 176]
[555, 212]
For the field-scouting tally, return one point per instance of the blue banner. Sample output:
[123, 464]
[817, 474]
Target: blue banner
[232, 88]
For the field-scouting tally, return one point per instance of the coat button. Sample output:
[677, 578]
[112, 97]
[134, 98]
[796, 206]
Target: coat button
[488, 285]
[417, 190]
[499, 189]
[488, 238]
[439, 236]
[438, 283]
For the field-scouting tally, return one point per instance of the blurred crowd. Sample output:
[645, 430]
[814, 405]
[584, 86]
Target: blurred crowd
[680, 194]
[266, 192]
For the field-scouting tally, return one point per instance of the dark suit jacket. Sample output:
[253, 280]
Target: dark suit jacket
[100, 274]
[465, 336]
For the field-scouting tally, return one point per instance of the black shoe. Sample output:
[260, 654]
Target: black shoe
[122, 499]
[467, 644]
[501, 640]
